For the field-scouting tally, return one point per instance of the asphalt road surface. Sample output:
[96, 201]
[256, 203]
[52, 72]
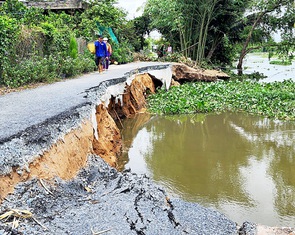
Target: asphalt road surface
[119, 203]
[20, 110]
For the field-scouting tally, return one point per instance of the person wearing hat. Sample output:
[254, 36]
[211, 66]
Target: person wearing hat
[109, 53]
[100, 53]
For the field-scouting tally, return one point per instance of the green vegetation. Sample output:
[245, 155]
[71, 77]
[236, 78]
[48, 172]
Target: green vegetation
[255, 76]
[73, 51]
[39, 45]
[215, 31]
[274, 100]
[280, 62]
[43, 46]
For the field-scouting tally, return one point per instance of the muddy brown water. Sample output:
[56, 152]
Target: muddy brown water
[238, 164]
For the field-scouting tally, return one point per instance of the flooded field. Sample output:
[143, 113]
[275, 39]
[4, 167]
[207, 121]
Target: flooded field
[238, 164]
[259, 62]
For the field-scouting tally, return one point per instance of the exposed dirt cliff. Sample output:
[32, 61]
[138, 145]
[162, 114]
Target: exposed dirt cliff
[108, 145]
[64, 159]
[134, 97]
[67, 156]
[55, 196]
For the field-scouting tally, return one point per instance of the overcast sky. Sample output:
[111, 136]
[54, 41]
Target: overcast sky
[133, 7]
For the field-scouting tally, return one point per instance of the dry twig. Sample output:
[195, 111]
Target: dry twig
[39, 223]
[41, 181]
[100, 232]
[14, 223]
[16, 213]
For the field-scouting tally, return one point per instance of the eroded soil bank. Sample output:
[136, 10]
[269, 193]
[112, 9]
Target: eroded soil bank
[48, 194]
[99, 198]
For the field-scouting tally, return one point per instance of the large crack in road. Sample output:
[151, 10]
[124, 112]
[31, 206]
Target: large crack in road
[99, 198]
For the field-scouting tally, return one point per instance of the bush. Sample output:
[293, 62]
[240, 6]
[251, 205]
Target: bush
[72, 67]
[9, 31]
[49, 69]
[87, 64]
[122, 53]
[33, 70]
[73, 50]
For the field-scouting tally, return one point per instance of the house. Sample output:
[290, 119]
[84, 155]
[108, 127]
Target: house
[56, 5]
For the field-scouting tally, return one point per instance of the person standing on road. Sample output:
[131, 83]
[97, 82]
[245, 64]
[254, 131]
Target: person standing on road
[169, 50]
[100, 53]
[109, 53]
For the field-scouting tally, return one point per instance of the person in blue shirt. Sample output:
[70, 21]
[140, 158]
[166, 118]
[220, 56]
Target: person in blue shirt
[100, 52]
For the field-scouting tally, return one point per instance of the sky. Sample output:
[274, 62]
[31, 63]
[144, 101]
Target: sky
[133, 7]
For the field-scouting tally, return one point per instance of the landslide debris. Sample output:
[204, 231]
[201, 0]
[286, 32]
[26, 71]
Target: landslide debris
[100, 199]
[183, 73]
[103, 199]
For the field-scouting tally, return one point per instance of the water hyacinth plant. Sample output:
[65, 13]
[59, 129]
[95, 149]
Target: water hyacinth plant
[274, 100]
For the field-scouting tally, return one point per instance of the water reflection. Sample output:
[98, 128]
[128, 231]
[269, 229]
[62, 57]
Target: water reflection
[238, 164]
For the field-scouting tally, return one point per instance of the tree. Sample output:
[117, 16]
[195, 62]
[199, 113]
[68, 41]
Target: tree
[104, 13]
[223, 31]
[263, 12]
[14, 9]
[166, 17]
[201, 26]
[205, 14]
[141, 28]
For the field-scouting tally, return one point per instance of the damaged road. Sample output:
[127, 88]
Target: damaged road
[54, 181]
[24, 109]
[102, 199]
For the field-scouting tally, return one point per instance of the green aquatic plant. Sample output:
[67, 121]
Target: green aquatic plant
[281, 62]
[274, 100]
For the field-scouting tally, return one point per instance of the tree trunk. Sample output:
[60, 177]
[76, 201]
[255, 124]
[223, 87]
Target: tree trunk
[213, 48]
[205, 15]
[244, 50]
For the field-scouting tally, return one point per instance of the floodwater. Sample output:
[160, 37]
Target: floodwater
[259, 62]
[238, 164]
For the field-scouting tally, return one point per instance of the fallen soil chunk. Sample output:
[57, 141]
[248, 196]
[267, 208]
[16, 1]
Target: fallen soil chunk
[183, 73]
